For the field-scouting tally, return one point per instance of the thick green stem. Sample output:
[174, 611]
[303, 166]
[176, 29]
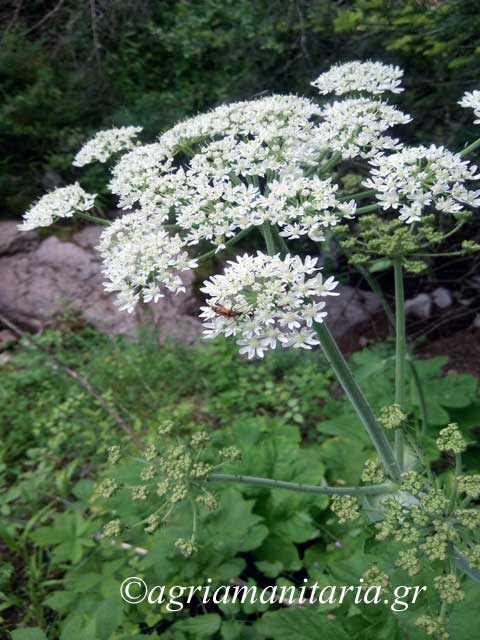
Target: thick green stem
[400, 352]
[375, 287]
[471, 147]
[358, 400]
[370, 490]
[269, 239]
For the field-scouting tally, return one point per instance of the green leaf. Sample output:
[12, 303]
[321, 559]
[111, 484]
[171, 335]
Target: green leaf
[29, 633]
[200, 626]
[304, 623]
[108, 618]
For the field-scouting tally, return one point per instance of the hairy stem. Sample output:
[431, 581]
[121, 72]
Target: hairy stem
[358, 400]
[371, 490]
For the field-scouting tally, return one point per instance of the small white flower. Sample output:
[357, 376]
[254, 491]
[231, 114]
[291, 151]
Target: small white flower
[368, 77]
[270, 300]
[471, 100]
[105, 144]
[141, 260]
[419, 177]
[63, 202]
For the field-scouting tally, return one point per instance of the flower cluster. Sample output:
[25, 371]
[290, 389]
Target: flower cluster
[471, 100]
[419, 177]
[451, 439]
[367, 77]
[63, 202]
[392, 417]
[346, 508]
[141, 260]
[267, 300]
[355, 127]
[105, 144]
[301, 205]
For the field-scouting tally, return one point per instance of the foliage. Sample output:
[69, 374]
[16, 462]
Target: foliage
[66, 579]
[83, 66]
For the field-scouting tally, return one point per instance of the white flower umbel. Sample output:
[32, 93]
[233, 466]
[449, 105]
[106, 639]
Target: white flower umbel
[304, 205]
[471, 100]
[277, 113]
[367, 77]
[105, 144]
[267, 301]
[141, 260]
[63, 202]
[419, 177]
[134, 170]
[355, 127]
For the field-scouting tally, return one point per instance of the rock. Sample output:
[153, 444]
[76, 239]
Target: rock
[42, 279]
[442, 297]
[12, 240]
[352, 307]
[419, 306]
[7, 338]
[49, 277]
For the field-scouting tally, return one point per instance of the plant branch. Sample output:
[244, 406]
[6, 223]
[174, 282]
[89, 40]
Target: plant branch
[400, 352]
[358, 400]
[369, 490]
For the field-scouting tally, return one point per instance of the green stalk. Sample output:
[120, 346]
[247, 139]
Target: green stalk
[400, 352]
[367, 208]
[91, 218]
[334, 160]
[268, 237]
[228, 243]
[470, 148]
[370, 490]
[377, 290]
[360, 195]
[358, 400]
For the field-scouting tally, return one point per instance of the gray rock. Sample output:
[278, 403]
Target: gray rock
[352, 307]
[419, 306]
[42, 279]
[12, 240]
[442, 297]
[49, 277]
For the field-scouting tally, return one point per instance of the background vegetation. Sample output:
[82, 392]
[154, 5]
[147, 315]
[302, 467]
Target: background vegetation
[285, 415]
[68, 68]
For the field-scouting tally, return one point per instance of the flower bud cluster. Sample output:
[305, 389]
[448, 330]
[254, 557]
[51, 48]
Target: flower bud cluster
[346, 508]
[172, 472]
[451, 439]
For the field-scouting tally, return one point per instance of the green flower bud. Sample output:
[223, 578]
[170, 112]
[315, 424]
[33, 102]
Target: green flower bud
[451, 439]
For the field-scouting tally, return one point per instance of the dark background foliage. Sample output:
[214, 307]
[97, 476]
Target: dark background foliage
[70, 67]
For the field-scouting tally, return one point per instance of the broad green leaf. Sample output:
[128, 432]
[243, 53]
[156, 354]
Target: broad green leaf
[29, 633]
[200, 626]
[305, 623]
[108, 618]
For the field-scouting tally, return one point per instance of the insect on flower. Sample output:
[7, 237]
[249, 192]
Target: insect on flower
[226, 313]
